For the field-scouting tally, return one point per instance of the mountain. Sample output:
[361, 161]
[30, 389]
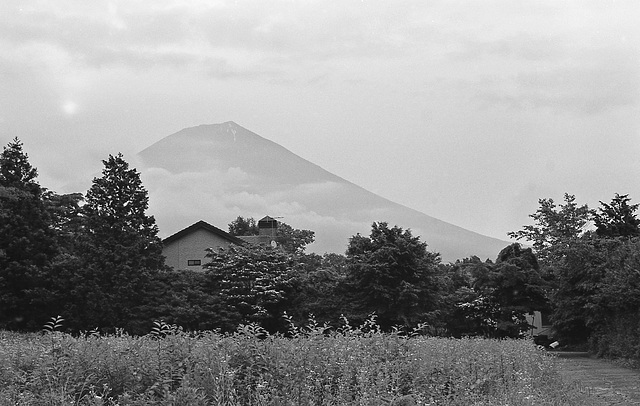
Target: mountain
[220, 171]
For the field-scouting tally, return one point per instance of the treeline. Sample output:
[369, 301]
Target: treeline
[96, 260]
[591, 259]
[89, 258]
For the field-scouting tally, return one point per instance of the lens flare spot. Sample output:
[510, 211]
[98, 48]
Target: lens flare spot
[70, 107]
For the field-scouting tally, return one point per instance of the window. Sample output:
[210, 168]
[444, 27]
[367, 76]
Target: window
[193, 262]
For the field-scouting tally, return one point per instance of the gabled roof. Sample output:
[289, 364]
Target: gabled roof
[204, 226]
[267, 222]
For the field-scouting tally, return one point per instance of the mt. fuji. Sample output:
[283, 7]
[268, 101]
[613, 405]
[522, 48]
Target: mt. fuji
[220, 171]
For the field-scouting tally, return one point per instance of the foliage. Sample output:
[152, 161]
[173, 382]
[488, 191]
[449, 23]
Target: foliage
[392, 274]
[594, 275]
[516, 287]
[115, 211]
[615, 304]
[359, 366]
[292, 240]
[460, 301]
[493, 299]
[577, 279]
[252, 283]
[15, 169]
[241, 226]
[52, 325]
[27, 243]
[119, 248]
[185, 297]
[67, 223]
[554, 228]
[617, 219]
[65, 218]
[319, 292]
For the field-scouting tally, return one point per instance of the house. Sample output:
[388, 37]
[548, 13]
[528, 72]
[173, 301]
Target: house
[186, 249]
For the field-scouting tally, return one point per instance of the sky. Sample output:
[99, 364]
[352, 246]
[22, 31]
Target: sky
[468, 111]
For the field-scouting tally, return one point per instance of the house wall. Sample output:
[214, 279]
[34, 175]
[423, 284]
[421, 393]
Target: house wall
[192, 247]
[539, 325]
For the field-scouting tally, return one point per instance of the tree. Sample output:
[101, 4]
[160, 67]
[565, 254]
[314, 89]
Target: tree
[517, 288]
[617, 219]
[553, 227]
[597, 295]
[241, 226]
[464, 311]
[15, 169]
[578, 279]
[319, 289]
[115, 212]
[65, 217]
[27, 243]
[392, 274]
[560, 238]
[120, 247]
[293, 240]
[594, 275]
[493, 299]
[186, 298]
[252, 283]
[617, 334]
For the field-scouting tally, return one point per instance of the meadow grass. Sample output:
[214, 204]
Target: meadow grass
[353, 367]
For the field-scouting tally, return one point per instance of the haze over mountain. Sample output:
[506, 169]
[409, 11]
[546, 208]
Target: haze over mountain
[220, 171]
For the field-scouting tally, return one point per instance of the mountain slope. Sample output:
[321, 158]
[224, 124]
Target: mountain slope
[220, 171]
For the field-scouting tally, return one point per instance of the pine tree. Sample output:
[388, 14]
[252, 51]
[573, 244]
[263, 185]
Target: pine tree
[26, 241]
[15, 169]
[120, 248]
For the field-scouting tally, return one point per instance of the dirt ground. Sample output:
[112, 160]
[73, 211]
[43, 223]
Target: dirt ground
[606, 382]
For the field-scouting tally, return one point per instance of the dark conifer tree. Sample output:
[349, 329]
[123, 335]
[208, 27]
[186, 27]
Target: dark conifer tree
[120, 249]
[26, 241]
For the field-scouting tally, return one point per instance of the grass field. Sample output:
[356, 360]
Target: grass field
[170, 367]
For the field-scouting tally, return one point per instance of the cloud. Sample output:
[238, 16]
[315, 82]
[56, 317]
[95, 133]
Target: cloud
[263, 38]
[219, 196]
[586, 89]
[284, 43]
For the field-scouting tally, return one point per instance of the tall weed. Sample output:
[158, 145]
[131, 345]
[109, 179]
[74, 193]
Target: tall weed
[312, 365]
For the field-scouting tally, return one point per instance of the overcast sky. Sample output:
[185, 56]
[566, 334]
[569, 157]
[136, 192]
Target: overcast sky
[469, 111]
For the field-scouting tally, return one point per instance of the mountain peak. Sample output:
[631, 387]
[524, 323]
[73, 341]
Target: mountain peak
[232, 128]
[229, 145]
